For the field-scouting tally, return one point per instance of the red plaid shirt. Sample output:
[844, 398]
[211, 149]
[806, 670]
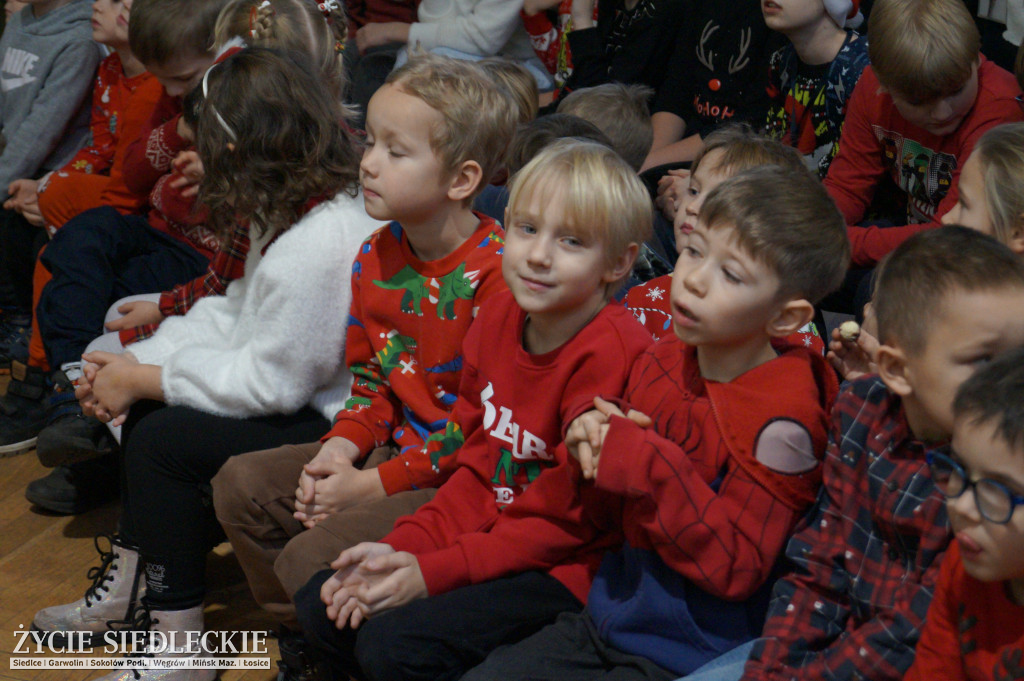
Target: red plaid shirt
[227, 265]
[866, 557]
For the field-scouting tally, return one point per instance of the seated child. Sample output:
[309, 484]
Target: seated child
[811, 78]
[975, 625]
[866, 557]
[48, 62]
[915, 116]
[619, 111]
[505, 546]
[255, 368]
[720, 452]
[124, 97]
[727, 151]
[102, 255]
[989, 199]
[435, 132]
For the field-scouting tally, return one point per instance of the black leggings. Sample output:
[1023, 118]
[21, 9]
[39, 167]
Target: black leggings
[170, 454]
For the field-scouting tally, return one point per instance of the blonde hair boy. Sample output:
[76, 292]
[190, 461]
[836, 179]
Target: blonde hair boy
[517, 81]
[605, 199]
[619, 111]
[477, 121]
[922, 49]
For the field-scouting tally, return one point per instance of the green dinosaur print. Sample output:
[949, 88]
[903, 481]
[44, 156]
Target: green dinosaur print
[509, 467]
[355, 402]
[451, 287]
[413, 283]
[451, 439]
[390, 355]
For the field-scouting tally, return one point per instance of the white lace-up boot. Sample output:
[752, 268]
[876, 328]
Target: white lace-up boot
[117, 586]
[175, 625]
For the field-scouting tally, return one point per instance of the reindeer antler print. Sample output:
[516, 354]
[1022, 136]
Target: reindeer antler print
[739, 61]
[707, 58]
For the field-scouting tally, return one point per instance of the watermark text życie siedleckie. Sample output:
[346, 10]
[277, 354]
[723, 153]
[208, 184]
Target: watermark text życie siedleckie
[151, 642]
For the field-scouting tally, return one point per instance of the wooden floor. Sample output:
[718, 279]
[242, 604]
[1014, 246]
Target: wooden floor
[44, 559]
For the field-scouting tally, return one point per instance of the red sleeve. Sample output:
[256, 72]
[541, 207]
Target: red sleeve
[544, 37]
[175, 206]
[372, 410]
[726, 542]
[97, 157]
[149, 157]
[138, 110]
[857, 169]
[937, 655]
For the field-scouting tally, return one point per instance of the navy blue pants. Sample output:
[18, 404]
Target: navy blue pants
[97, 258]
[438, 638]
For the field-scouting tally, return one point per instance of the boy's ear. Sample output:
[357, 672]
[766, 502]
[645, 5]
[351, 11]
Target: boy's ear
[1016, 242]
[794, 314]
[465, 181]
[620, 268]
[893, 370]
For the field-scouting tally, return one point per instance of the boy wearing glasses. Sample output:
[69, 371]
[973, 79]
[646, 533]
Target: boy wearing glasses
[866, 558]
[975, 627]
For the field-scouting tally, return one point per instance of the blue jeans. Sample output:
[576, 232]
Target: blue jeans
[727, 667]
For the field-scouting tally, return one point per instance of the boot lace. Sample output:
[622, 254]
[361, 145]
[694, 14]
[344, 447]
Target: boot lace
[100, 574]
[141, 620]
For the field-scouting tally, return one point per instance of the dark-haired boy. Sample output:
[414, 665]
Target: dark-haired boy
[866, 557]
[707, 489]
[974, 628]
[914, 117]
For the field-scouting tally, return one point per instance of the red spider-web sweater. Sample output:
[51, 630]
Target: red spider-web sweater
[709, 496]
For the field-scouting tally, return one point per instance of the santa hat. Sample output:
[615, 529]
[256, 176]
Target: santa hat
[846, 13]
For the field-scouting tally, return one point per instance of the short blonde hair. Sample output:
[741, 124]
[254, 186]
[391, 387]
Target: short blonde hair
[604, 199]
[1001, 153]
[289, 25]
[517, 81]
[922, 49]
[619, 111]
[784, 218]
[477, 122]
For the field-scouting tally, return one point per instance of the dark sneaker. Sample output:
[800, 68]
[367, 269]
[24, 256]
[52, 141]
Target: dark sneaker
[23, 409]
[296, 663]
[77, 488]
[14, 345]
[70, 436]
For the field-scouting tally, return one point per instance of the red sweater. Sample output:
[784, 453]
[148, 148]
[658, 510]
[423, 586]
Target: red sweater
[513, 502]
[878, 142]
[404, 341]
[120, 107]
[973, 632]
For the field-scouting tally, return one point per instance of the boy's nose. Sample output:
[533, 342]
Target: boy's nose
[695, 280]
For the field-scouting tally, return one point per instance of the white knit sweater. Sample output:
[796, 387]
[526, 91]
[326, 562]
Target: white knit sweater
[275, 341]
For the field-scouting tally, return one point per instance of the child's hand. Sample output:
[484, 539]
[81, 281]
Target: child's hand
[375, 34]
[389, 581]
[136, 313]
[338, 592]
[113, 385]
[190, 169]
[83, 389]
[583, 13]
[672, 188]
[329, 486]
[853, 359]
[332, 457]
[585, 435]
[25, 200]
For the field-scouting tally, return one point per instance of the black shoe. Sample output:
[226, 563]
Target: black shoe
[296, 663]
[76, 488]
[70, 436]
[14, 343]
[23, 409]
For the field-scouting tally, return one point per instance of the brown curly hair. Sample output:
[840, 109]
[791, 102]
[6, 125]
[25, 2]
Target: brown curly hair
[270, 139]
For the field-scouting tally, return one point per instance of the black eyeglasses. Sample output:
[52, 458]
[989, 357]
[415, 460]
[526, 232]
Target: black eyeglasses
[995, 501]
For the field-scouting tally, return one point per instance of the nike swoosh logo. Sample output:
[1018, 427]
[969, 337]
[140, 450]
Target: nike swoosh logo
[8, 84]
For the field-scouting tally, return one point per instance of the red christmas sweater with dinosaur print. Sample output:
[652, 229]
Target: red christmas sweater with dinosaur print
[404, 347]
[514, 500]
